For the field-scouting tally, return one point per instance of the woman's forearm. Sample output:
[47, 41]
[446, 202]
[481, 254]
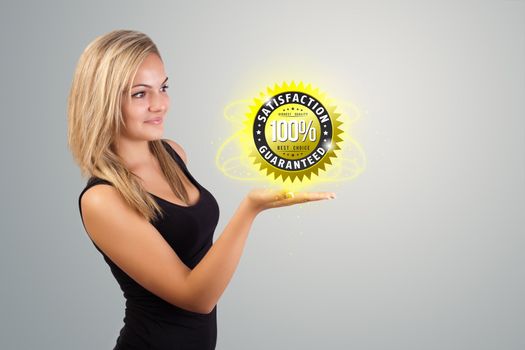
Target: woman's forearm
[208, 280]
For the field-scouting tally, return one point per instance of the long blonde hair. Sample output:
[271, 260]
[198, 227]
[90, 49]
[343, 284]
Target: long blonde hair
[103, 76]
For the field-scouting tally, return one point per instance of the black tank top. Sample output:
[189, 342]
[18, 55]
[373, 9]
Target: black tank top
[150, 322]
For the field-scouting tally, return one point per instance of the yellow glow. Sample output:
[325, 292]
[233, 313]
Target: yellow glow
[238, 159]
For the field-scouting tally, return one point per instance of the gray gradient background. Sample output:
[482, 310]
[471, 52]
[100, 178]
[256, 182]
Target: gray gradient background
[423, 251]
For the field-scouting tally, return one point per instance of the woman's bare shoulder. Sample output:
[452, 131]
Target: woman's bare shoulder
[99, 195]
[178, 148]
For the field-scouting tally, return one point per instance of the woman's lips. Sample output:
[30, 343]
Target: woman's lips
[154, 121]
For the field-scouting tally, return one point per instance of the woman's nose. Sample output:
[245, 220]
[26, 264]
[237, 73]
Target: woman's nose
[158, 103]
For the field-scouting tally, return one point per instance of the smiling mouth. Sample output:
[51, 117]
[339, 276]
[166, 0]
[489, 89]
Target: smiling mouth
[154, 121]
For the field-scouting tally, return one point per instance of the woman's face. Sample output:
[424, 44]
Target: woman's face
[145, 110]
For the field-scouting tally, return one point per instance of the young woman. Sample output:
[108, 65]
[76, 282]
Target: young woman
[145, 213]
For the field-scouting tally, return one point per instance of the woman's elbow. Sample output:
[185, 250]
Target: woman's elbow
[205, 310]
[196, 307]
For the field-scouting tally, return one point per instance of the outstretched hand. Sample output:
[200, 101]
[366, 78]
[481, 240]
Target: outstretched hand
[262, 199]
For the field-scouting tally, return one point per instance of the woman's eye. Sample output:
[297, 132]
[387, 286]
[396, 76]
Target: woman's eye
[141, 94]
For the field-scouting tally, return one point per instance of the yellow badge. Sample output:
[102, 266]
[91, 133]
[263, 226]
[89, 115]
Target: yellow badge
[295, 131]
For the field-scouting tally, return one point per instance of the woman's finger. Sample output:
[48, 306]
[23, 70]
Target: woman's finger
[313, 196]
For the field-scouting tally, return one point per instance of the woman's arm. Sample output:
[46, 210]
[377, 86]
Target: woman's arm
[213, 273]
[136, 246]
[209, 278]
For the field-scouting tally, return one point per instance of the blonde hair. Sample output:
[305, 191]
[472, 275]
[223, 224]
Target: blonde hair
[103, 76]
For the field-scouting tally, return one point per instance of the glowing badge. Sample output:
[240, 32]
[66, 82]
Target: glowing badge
[294, 131]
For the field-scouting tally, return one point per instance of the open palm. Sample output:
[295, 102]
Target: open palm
[262, 199]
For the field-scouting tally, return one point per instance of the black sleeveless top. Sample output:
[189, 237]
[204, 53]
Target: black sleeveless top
[150, 322]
